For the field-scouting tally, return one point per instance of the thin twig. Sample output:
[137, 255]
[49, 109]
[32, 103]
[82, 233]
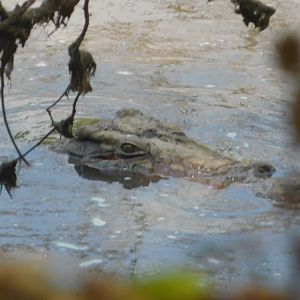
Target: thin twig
[74, 105]
[48, 108]
[73, 48]
[5, 118]
[38, 143]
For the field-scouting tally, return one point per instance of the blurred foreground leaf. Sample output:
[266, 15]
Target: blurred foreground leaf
[289, 58]
[177, 286]
[289, 54]
[296, 115]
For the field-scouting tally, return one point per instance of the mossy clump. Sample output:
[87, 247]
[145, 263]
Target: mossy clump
[51, 139]
[84, 122]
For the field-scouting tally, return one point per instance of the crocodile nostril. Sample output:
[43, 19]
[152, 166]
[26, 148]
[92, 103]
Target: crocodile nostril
[263, 170]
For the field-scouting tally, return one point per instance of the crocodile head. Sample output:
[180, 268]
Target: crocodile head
[135, 150]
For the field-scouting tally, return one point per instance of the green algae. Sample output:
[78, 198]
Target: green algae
[20, 135]
[84, 122]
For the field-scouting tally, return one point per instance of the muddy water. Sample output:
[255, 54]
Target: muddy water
[197, 66]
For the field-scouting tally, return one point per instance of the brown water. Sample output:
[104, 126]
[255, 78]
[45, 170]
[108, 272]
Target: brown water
[202, 69]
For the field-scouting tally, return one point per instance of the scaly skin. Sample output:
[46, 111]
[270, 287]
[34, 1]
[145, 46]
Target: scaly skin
[134, 143]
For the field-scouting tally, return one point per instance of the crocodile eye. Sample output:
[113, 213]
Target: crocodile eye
[129, 148]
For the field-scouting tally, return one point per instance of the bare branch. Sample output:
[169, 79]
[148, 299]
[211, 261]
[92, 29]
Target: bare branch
[76, 44]
[5, 119]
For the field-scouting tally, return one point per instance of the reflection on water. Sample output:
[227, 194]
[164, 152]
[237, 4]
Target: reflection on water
[251, 40]
[211, 76]
[127, 179]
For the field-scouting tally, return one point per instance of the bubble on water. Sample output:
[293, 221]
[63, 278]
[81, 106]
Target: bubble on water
[100, 201]
[118, 231]
[210, 86]
[172, 237]
[266, 223]
[129, 4]
[160, 218]
[164, 195]
[213, 261]
[89, 263]
[231, 135]
[124, 73]
[203, 44]
[41, 64]
[70, 246]
[98, 222]
[246, 145]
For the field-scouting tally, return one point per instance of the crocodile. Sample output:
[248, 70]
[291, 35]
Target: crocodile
[136, 149]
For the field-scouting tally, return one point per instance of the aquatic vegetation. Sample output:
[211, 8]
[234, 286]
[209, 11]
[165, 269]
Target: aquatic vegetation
[179, 9]
[21, 134]
[80, 122]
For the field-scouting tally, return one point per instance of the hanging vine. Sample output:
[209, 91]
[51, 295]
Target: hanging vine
[15, 28]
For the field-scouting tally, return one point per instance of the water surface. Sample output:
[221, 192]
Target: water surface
[203, 70]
